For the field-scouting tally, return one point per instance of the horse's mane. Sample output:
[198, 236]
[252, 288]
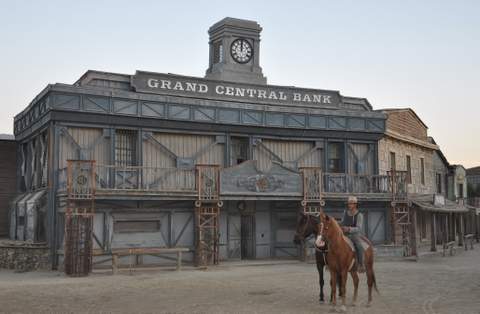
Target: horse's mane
[336, 226]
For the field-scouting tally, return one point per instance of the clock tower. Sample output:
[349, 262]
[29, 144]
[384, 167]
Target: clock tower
[235, 52]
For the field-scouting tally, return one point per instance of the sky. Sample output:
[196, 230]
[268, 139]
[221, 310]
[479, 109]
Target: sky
[419, 54]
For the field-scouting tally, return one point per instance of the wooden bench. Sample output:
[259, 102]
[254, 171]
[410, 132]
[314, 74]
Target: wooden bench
[134, 252]
[449, 246]
[468, 237]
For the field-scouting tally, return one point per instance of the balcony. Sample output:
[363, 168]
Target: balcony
[174, 183]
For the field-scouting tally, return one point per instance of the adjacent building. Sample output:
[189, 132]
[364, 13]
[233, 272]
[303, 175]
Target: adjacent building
[8, 182]
[434, 186]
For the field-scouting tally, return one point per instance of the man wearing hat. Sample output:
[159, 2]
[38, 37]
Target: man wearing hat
[352, 226]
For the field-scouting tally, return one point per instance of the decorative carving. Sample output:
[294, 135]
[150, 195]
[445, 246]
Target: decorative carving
[261, 183]
[245, 178]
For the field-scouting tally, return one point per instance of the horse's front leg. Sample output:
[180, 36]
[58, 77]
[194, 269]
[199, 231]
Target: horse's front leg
[333, 286]
[355, 286]
[321, 281]
[343, 286]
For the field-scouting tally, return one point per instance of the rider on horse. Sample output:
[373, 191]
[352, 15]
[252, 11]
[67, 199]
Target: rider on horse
[352, 226]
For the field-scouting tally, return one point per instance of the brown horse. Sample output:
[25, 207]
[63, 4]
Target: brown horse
[341, 260]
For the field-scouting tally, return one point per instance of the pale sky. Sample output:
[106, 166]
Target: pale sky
[419, 54]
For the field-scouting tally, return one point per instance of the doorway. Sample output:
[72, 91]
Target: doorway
[248, 236]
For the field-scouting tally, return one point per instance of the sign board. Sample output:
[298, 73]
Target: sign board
[176, 85]
[246, 179]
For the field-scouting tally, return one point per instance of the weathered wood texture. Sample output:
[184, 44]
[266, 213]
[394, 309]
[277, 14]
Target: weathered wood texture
[292, 154]
[406, 122]
[8, 166]
[84, 143]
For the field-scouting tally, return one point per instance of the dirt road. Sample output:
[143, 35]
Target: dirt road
[433, 285]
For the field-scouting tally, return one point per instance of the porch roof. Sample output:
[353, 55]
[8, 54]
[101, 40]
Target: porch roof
[426, 202]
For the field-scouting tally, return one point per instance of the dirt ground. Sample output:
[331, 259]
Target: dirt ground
[433, 285]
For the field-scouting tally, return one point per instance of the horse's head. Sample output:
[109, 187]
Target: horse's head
[328, 228]
[306, 226]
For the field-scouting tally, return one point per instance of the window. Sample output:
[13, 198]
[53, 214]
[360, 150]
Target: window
[409, 169]
[239, 150]
[126, 226]
[422, 170]
[460, 190]
[217, 52]
[335, 157]
[393, 161]
[125, 148]
[439, 183]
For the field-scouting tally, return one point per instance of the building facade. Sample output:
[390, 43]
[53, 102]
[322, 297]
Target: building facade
[8, 177]
[158, 142]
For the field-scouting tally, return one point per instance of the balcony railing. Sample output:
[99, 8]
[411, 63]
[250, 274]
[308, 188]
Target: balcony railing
[352, 184]
[139, 178]
[159, 180]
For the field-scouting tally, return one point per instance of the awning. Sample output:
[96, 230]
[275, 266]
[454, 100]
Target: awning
[434, 203]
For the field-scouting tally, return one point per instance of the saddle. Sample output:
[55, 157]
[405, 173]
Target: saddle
[363, 241]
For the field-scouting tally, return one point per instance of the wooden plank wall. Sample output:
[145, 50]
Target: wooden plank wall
[8, 167]
[288, 151]
[182, 145]
[85, 137]
[406, 123]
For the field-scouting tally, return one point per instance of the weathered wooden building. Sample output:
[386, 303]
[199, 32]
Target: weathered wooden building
[8, 175]
[432, 209]
[170, 150]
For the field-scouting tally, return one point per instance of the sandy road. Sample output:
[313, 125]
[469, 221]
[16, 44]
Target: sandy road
[433, 285]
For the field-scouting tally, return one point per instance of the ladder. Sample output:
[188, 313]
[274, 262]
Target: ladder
[207, 213]
[403, 232]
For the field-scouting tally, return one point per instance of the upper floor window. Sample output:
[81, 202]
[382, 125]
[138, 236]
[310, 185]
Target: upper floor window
[218, 52]
[393, 161]
[336, 157]
[409, 169]
[439, 183]
[125, 148]
[422, 170]
[239, 150]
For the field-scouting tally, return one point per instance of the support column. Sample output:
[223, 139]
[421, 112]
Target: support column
[460, 230]
[413, 233]
[433, 236]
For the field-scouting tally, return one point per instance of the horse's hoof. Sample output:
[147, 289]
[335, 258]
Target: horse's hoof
[369, 304]
[353, 304]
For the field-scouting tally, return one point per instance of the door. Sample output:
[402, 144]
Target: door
[284, 224]
[234, 237]
[248, 236]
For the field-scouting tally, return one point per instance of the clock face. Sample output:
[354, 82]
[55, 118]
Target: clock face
[241, 50]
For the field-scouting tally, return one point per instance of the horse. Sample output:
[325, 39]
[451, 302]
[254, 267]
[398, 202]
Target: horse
[307, 226]
[341, 260]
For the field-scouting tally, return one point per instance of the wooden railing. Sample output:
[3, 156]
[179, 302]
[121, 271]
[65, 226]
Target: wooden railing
[153, 179]
[140, 178]
[355, 184]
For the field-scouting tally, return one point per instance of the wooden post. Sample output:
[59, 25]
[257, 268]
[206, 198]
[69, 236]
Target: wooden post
[114, 264]
[179, 260]
[460, 230]
[446, 236]
[433, 235]
[414, 232]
